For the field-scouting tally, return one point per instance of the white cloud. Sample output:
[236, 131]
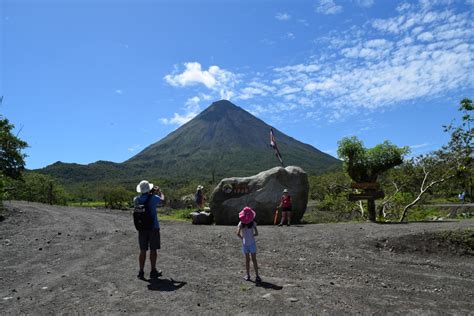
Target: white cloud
[191, 110]
[328, 7]
[299, 68]
[287, 90]
[290, 35]
[220, 82]
[118, 91]
[370, 49]
[282, 16]
[414, 53]
[425, 36]
[193, 102]
[365, 3]
[267, 41]
[403, 7]
[249, 92]
[305, 23]
[134, 148]
[419, 146]
[213, 78]
[178, 119]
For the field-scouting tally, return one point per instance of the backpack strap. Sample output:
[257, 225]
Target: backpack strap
[147, 201]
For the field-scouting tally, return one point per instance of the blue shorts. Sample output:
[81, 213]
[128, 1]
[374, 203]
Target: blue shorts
[249, 249]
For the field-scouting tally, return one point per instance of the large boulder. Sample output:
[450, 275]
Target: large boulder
[201, 218]
[261, 192]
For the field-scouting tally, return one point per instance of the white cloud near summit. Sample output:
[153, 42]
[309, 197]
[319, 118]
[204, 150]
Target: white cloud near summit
[193, 74]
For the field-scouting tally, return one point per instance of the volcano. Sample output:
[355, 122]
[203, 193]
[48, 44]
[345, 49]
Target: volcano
[223, 140]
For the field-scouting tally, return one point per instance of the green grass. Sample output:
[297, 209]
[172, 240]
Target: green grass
[425, 213]
[315, 216]
[443, 200]
[181, 215]
[464, 238]
[422, 213]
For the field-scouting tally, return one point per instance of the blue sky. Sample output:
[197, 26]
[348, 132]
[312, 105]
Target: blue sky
[101, 80]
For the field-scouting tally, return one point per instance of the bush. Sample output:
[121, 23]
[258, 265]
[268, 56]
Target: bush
[117, 198]
[35, 187]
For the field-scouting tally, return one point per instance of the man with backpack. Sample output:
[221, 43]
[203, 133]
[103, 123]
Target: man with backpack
[147, 225]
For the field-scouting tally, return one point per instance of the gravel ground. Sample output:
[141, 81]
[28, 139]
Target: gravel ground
[84, 261]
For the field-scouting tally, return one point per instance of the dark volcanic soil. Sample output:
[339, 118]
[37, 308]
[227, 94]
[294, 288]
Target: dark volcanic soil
[82, 261]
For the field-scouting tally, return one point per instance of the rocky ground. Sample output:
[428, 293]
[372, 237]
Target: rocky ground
[82, 261]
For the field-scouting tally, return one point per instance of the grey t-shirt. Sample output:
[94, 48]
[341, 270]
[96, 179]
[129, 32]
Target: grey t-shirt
[247, 234]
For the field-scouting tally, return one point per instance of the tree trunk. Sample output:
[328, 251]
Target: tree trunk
[371, 209]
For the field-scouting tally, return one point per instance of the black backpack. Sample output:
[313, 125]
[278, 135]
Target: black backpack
[142, 215]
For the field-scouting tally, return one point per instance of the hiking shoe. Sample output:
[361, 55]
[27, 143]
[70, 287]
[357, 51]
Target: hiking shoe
[280, 224]
[258, 280]
[247, 278]
[155, 273]
[141, 275]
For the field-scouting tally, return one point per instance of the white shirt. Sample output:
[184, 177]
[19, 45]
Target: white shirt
[248, 238]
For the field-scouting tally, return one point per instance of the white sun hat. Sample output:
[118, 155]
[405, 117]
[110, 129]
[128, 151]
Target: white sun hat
[144, 186]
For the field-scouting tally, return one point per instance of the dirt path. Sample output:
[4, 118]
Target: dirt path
[79, 260]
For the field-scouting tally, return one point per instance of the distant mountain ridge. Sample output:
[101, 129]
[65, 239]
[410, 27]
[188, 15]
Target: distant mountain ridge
[223, 140]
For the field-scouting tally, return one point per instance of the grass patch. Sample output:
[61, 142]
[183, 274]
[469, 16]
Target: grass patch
[463, 239]
[181, 215]
[457, 242]
[316, 216]
[426, 213]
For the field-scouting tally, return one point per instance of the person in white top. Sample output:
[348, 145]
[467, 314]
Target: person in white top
[247, 230]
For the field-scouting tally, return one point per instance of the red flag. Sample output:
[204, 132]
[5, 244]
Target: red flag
[273, 144]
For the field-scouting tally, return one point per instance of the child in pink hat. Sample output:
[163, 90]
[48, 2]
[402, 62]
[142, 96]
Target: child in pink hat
[247, 230]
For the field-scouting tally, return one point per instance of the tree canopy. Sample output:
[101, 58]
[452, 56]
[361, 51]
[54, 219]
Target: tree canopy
[12, 160]
[366, 164]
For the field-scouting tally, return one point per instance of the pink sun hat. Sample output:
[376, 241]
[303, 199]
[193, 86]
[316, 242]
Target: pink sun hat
[246, 215]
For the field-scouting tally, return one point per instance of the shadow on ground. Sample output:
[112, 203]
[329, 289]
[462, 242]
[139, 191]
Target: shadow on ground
[267, 285]
[165, 285]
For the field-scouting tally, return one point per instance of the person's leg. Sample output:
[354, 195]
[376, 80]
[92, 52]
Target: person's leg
[143, 243]
[283, 217]
[141, 259]
[255, 265]
[155, 244]
[247, 264]
[289, 218]
[153, 255]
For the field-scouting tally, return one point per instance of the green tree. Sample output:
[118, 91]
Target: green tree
[36, 187]
[366, 165]
[117, 197]
[460, 146]
[12, 159]
[453, 162]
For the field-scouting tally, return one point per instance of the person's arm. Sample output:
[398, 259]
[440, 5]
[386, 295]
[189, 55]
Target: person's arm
[160, 194]
[255, 233]
[239, 231]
